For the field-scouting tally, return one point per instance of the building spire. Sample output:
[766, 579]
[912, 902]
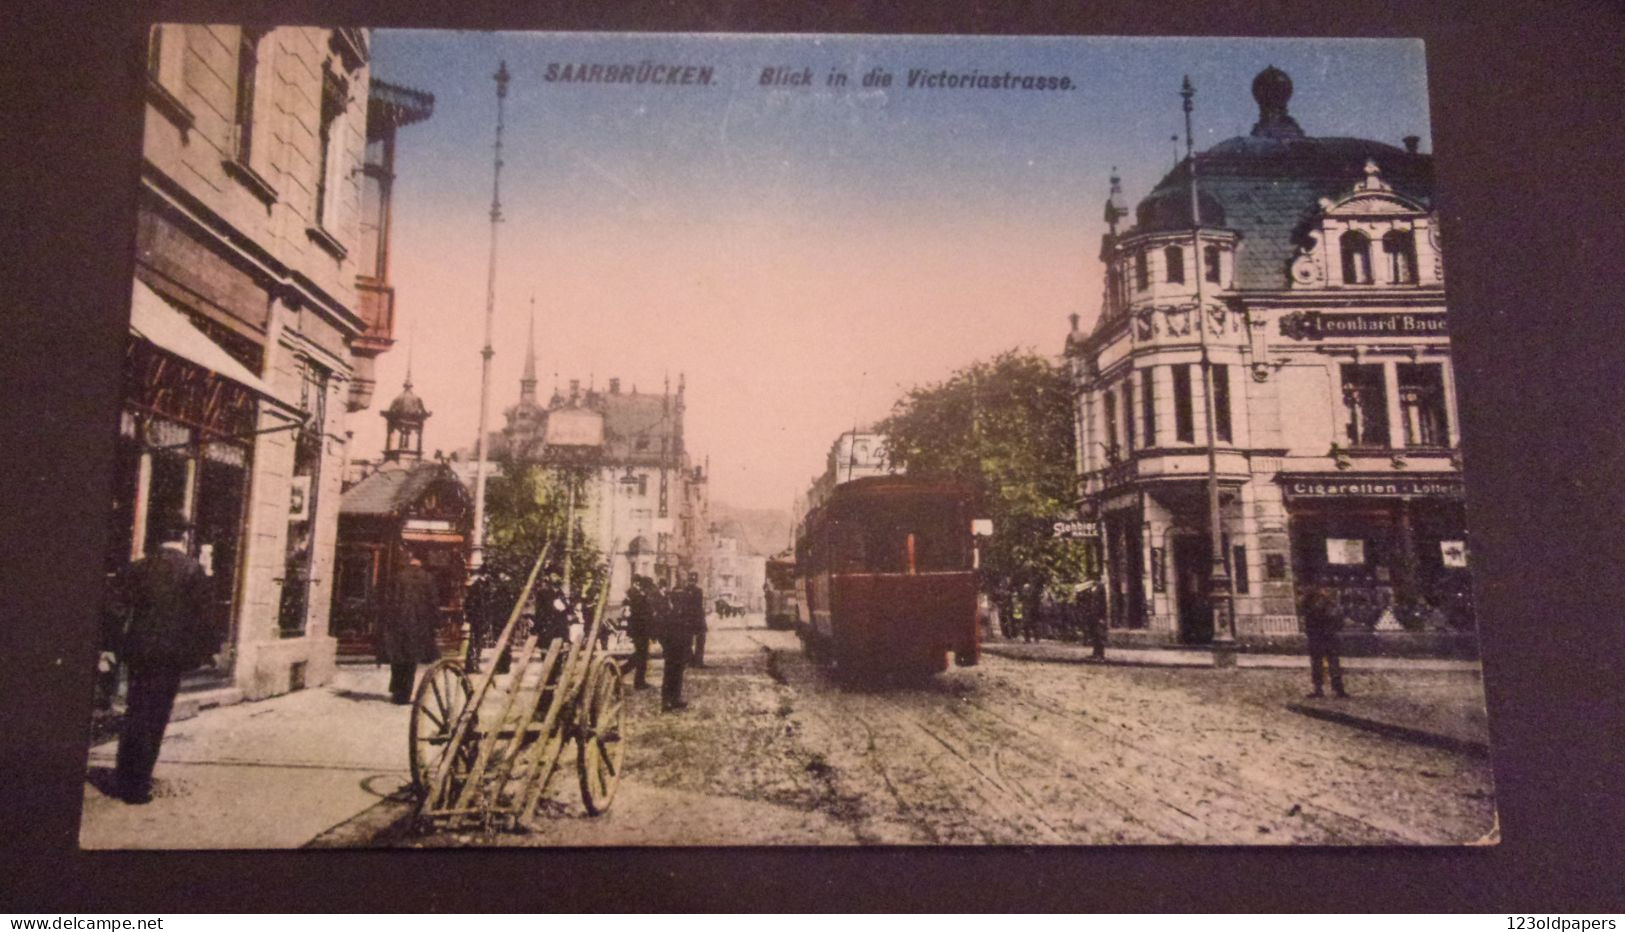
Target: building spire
[411, 338]
[527, 384]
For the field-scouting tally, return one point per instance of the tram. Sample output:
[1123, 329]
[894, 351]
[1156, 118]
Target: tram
[781, 591]
[886, 578]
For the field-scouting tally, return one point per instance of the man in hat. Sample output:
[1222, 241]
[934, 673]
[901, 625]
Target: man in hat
[640, 626]
[1091, 602]
[410, 618]
[160, 629]
[684, 620]
[1322, 619]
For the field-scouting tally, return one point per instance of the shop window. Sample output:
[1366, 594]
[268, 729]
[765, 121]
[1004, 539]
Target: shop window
[1421, 404]
[1210, 263]
[1128, 412]
[1221, 402]
[1184, 422]
[303, 501]
[1356, 258]
[1142, 271]
[1173, 260]
[1109, 406]
[1365, 406]
[1399, 246]
[1148, 402]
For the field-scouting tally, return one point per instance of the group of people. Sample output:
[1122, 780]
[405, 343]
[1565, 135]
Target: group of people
[1080, 615]
[676, 618]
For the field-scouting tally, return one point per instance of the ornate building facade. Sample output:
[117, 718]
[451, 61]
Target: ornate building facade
[250, 339]
[1336, 443]
[644, 497]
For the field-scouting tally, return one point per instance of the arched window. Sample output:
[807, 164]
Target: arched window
[1142, 271]
[1210, 262]
[1173, 259]
[1356, 258]
[1400, 248]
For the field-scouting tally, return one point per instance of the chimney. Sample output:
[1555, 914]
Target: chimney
[614, 386]
[1074, 319]
[575, 389]
[1411, 142]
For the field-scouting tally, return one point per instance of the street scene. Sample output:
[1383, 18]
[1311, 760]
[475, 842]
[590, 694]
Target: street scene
[603, 440]
[1039, 751]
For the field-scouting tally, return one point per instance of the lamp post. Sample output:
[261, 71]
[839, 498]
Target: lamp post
[476, 549]
[1218, 592]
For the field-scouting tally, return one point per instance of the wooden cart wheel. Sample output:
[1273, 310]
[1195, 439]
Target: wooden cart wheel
[441, 699]
[600, 744]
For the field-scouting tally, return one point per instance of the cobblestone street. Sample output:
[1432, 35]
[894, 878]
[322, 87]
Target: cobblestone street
[1020, 752]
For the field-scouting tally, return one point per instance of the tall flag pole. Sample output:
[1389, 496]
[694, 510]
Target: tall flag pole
[1219, 595]
[476, 550]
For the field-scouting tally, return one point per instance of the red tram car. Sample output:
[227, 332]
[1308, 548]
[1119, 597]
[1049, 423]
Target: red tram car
[886, 579]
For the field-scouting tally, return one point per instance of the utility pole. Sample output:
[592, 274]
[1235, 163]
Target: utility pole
[1218, 593]
[476, 550]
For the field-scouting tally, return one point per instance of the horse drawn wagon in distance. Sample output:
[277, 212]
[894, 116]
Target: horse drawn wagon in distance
[483, 752]
[886, 578]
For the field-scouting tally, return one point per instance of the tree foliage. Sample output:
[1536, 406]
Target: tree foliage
[525, 508]
[1005, 427]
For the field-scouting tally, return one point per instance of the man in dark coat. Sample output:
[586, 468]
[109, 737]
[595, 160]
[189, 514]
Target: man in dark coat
[1322, 619]
[160, 629]
[481, 611]
[677, 639]
[1091, 603]
[640, 626]
[694, 604]
[410, 618]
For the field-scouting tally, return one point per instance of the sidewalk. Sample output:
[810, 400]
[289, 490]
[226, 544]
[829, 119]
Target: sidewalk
[270, 774]
[1438, 703]
[1072, 652]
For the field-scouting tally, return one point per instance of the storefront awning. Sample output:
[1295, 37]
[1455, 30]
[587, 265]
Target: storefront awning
[153, 319]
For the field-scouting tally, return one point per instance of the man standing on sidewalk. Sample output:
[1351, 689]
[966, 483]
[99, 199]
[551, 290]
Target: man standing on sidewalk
[410, 619]
[160, 613]
[1322, 618]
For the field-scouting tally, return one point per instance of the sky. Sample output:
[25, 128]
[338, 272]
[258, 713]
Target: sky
[801, 255]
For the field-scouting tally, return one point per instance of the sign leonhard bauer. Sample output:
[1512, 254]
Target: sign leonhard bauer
[1319, 325]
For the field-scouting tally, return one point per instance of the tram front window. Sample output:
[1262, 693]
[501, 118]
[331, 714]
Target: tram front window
[902, 538]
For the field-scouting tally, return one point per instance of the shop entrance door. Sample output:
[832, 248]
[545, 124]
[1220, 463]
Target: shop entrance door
[1191, 570]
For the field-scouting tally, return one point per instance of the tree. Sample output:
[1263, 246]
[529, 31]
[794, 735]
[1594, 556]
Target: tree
[1005, 427]
[525, 505]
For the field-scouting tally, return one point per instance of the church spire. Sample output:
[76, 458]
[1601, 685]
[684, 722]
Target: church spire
[527, 384]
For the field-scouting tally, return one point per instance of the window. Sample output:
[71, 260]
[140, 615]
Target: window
[1109, 403]
[1421, 404]
[1184, 423]
[1238, 564]
[1148, 401]
[1400, 248]
[330, 140]
[1128, 412]
[248, 63]
[1173, 258]
[1356, 258]
[1221, 402]
[155, 53]
[1142, 271]
[1210, 263]
[1365, 405]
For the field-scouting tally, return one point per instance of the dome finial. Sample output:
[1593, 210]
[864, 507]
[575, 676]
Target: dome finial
[1272, 88]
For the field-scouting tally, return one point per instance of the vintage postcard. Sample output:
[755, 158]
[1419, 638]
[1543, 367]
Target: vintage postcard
[570, 439]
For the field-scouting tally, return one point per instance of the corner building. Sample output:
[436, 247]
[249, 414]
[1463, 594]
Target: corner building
[1334, 407]
[260, 300]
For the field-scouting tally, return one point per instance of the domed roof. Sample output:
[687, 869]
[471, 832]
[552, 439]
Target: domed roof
[406, 406]
[1267, 185]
